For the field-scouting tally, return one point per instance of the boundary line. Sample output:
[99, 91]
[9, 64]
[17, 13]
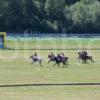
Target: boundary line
[48, 84]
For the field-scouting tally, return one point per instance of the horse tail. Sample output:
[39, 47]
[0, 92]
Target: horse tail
[66, 58]
[91, 58]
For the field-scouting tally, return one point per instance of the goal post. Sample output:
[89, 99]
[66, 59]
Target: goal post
[2, 40]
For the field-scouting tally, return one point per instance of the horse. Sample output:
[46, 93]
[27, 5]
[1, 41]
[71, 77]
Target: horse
[38, 59]
[63, 60]
[51, 58]
[84, 58]
[57, 60]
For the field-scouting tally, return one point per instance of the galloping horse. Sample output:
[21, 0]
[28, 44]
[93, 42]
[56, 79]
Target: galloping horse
[57, 60]
[38, 59]
[84, 57]
[51, 58]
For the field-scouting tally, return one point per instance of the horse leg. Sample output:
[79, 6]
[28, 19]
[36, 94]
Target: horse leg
[55, 64]
[49, 61]
[64, 63]
[58, 64]
[40, 63]
[86, 61]
[83, 61]
[91, 59]
[32, 62]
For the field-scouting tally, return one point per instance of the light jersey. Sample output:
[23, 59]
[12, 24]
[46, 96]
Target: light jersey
[35, 57]
[62, 56]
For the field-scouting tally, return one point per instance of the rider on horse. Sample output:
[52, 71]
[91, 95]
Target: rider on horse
[85, 53]
[52, 54]
[35, 56]
[62, 55]
[59, 57]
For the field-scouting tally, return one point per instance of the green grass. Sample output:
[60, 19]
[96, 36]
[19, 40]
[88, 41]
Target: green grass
[55, 44]
[16, 65]
[15, 68]
[51, 93]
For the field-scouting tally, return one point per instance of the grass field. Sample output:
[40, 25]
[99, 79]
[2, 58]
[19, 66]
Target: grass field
[15, 68]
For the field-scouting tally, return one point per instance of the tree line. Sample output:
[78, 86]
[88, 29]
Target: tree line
[50, 16]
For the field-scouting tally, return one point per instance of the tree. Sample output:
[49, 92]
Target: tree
[42, 9]
[3, 15]
[55, 8]
[55, 12]
[84, 16]
[88, 1]
[15, 15]
[50, 15]
[29, 14]
[69, 2]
